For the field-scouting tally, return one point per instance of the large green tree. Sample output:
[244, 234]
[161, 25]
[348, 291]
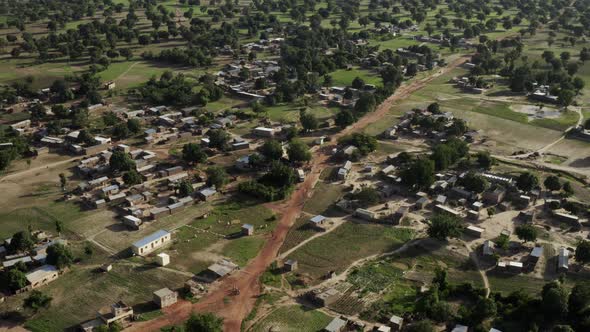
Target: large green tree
[203, 323]
[444, 226]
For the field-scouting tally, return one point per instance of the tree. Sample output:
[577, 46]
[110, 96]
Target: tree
[565, 97]
[484, 308]
[193, 154]
[358, 83]
[298, 151]
[63, 181]
[484, 159]
[185, 188]
[527, 181]
[526, 233]
[134, 126]
[121, 162]
[308, 121]
[216, 176]
[121, 131]
[15, 279]
[554, 302]
[423, 325]
[568, 190]
[60, 256]
[344, 118]
[272, 149]
[420, 173]
[21, 241]
[443, 226]
[579, 299]
[552, 183]
[37, 300]
[367, 196]
[204, 323]
[583, 252]
[132, 178]
[474, 182]
[434, 108]
[218, 138]
[59, 227]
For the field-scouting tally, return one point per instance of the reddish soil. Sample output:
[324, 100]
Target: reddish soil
[235, 308]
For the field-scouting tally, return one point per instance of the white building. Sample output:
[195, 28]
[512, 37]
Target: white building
[151, 242]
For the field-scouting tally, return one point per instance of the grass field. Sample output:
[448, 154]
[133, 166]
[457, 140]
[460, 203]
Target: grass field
[241, 250]
[348, 243]
[324, 195]
[298, 233]
[293, 319]
[80, 292]
[344, 77]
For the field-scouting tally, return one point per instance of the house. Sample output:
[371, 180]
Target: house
[400, 214]
[10, 262]
[536, 253]
[474, 231]
[327, 297]
[365, 214]
[117, 313]
[300, 175]
[446, 210]
[264, 132]
[514, 267]
[318, 220]
[132, 222]
[526, 216]
[42, 276]
[344, 170]
[165, 297]
[290, 265]
[162, 259]
[494, 197]
[440, 200]
[567, 218]
[151, 242]
[488, 248]
[336, 325]
[473, 215]
[382, 328]
[247, 229]
[206, 194]
[460, 328]
[562, 260]
[396, 323]
[220, 269]
[421, 203]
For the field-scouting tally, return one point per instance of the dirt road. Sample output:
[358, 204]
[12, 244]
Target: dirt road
[235, 308]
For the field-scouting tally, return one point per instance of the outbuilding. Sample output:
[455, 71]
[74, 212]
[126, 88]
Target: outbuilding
[165, 297]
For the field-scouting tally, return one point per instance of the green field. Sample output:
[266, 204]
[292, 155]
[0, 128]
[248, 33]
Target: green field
[293, 319]
[349, 242]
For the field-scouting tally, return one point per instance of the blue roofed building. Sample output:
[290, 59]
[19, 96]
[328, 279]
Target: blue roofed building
[151, 242]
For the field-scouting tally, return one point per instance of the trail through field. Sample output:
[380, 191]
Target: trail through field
[126, 71]
[235, 308]
[337, 223]
[475, 259]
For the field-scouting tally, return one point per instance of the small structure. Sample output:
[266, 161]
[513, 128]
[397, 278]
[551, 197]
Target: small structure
[488, 248]
[220, 269]
[290, 265]
[318, 220]
[247, 229]
[460, 328]
[42, 276]
[106, 267]
[344, 170]
[400, 214]
[526, 216]
[396, 323]
[563, 260]
[151, 242]
[163, 259]
[536, 253]
[117, 313]
[421, 203]
[132, 222]
[514, 267]
[446, 210]
[365, 214]
[382, 328]
[336, 325]
[207, 193]
[165, 297]
[264, 132]
[473, 215]
[474, 231]
[327, 297]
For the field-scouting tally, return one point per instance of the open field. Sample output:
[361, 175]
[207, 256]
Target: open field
[293, 319]
[351, 241]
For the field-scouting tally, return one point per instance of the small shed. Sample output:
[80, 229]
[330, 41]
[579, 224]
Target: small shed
[163, 259]
[336, 325]
[247, 229]
[474, 231]
[317, 220]
[396, 323]
[165, 297]
[290, 265]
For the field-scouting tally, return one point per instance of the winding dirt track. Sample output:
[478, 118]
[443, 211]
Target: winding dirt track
[235, 308]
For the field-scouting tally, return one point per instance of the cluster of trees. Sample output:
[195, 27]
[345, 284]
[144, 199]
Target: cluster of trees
[276, 184]
[364, 143]
[193, 57]
[177, 90]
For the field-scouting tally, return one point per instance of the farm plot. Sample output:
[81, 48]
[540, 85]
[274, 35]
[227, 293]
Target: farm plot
[293, 319]
[300, 231]
[349, 242]
[324, 195]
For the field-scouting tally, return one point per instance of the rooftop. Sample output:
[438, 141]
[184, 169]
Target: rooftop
[150, 238]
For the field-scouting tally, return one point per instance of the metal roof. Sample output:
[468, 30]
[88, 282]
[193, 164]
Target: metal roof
[151, 238]
[40, 273]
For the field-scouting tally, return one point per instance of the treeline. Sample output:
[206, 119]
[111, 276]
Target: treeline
[178, 90]
[193, 57]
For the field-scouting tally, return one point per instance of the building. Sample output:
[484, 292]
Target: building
[132, 222]
[526, 216]
[421, 203]
[365, 214]
[494, 197]
[264, 132]
[344, 170]
[42, 276]
[165, 297]
[163, 259]
[318, 220]
[151, 242]
[117, 313]
[400, 214]
[460, 328]
[536, 253]
[206, 194]
[396, 323]
[247, 229]
[563, 260]
[290, 265]
[327, 297]
[446, 210]
[336, 325]
[474, 231]
[220, 269]
[488, 248]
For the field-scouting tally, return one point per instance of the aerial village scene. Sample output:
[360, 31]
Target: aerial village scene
[295, 165]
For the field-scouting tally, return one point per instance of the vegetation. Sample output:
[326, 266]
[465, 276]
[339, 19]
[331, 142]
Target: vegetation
[444, 226]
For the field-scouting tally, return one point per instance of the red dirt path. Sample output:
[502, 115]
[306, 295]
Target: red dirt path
[235, 308]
